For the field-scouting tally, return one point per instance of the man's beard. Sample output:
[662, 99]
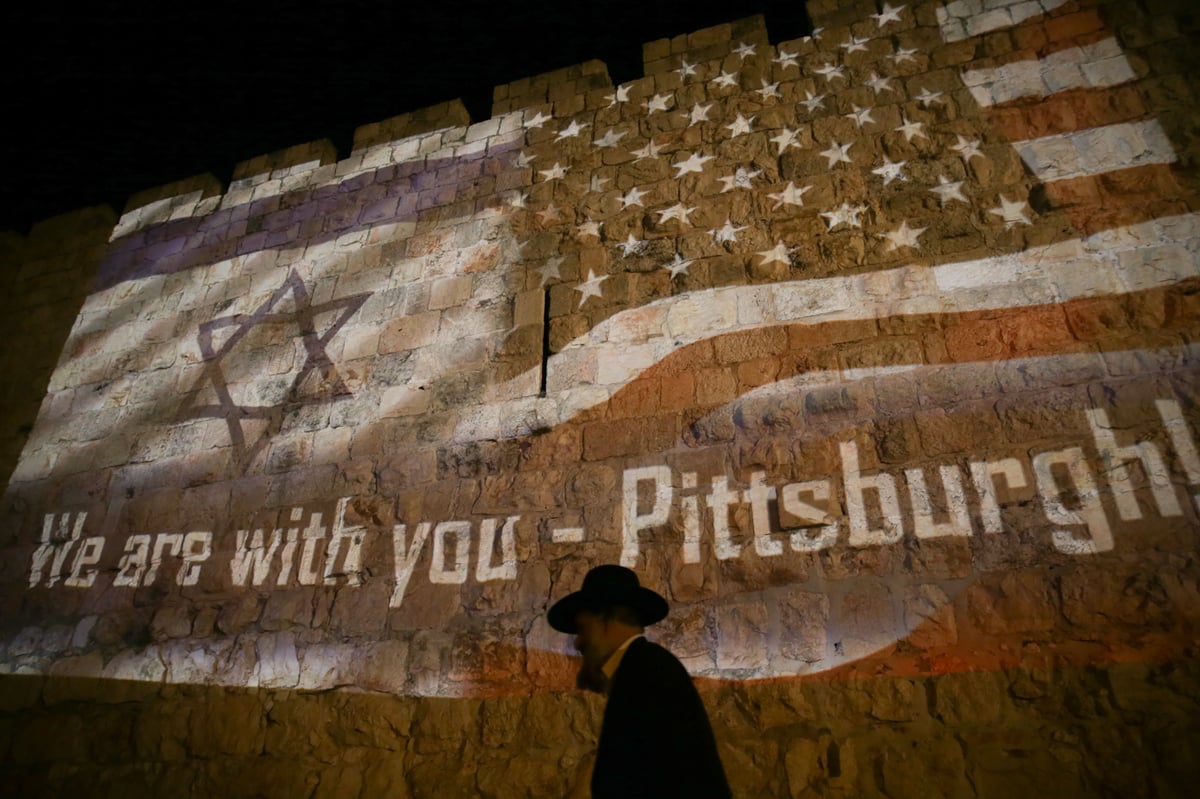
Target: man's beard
[591, 671]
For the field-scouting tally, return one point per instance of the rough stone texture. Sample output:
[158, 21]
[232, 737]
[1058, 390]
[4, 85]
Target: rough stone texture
[971, 734]
[43, 279]
[886, 379]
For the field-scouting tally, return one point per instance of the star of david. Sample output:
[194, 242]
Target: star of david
[317, 380]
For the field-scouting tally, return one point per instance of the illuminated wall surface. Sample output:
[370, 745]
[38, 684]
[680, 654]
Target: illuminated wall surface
[874, 352]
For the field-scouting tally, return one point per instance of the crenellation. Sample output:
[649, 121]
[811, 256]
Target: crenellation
[153, 202]
[715, 36]
[830, 13]
[284, 163]
[450, 114]
[539, 89]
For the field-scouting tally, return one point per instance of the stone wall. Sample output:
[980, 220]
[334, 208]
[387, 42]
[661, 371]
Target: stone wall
[873, 351]
[1124, 729]
[45, 279]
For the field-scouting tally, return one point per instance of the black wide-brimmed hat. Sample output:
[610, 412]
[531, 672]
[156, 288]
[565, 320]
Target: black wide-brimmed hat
[607, 587]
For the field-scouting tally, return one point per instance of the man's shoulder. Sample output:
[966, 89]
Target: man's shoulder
[650, 677]
[648, 648]
[649, 654]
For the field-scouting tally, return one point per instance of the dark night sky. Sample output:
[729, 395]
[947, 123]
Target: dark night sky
[122, 96]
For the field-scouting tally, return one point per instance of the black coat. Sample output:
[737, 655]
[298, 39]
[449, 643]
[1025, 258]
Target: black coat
[656, 741]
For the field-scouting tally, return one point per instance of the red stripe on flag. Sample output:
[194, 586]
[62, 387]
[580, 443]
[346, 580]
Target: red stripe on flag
[1121, 197]
[1067, 112]
[1102, 323]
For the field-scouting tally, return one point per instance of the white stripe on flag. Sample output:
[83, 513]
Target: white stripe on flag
[1097, 150]
[1092, 66]
[964, 18]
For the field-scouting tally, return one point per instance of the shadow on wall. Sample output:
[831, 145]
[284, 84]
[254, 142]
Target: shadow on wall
[36, 314]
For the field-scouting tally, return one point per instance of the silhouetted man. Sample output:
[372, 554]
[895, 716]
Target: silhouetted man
[655, 741]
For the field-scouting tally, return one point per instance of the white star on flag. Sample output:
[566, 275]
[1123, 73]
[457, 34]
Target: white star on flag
[739, 126]
[631, 246]
[829, 72]
[658, 102]
[739, 179]
[947, 190]
[904, 236]
[693, 163]
[1011, 212]
[903, 55]
[555, 172]
[677, 211]
[589, 228]
[768, 90]
[570, 131]
[621, 95]
[777, 253]
[811, 102]
[926, 97]
[727, 233]
[518, 199]
[967, 148]
[888, 14]
[679, 266]
[791, 195]
[536, 121]
[860, 115]
[785, 138]
[590, 287]
[523, 159]
[632, 197]
[685, 69]
[910, 129]
[743, 50]
[699, 113]
[786, 59]
[549, 269]
[855, 44]
[610, 139]
[549, 214]
[844, 214]
[597, 184]
[878, 84]
[890, 171]
[838, 153]
[726, 80]
[649, 151]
